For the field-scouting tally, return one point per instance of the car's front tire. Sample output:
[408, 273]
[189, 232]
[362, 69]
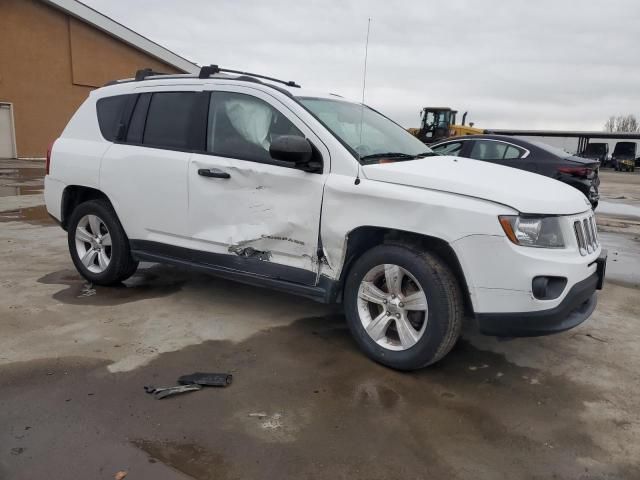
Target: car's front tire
[403, 306]
[98, 244]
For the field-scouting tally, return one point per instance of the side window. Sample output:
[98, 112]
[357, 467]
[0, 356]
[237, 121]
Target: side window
[242, 126]
[512, 153]
[110, 111]
[138, 119]
[453, 148]
[170, 119]
[488, 150]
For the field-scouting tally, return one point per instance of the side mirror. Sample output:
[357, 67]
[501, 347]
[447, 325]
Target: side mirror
[294, 151]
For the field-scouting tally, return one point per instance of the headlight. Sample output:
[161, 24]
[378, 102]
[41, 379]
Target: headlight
[533, 231]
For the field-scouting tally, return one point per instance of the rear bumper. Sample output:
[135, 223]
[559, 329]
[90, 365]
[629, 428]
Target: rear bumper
[577, 306]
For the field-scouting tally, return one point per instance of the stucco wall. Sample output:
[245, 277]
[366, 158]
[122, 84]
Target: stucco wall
[49, 62]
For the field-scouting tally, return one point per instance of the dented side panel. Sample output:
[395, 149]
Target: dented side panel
[262, 211]
[446, 216]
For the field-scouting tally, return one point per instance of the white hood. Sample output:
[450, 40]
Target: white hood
[524, 191]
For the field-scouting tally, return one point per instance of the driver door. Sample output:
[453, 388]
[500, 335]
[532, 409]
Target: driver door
[249, 212]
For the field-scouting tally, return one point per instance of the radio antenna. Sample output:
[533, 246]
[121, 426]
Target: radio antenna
[364, 84]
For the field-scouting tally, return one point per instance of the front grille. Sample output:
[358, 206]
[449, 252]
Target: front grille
[586, 234]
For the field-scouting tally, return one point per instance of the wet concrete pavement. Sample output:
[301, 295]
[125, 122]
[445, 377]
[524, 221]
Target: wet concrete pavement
[304, 402]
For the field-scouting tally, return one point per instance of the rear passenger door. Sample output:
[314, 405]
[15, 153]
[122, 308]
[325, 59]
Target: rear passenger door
[502, 153]
[247, 211]
[144, 173]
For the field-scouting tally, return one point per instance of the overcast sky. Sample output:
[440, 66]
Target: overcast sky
[511, 64]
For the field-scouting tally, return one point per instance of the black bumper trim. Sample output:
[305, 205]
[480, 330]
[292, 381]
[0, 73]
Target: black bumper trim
[576, 307]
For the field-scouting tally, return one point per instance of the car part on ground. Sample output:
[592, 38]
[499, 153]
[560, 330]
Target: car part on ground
[207, 379]
[191, 383]
[163, 392]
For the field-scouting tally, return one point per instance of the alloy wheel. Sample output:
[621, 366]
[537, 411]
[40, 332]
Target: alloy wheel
[93, 243]
[392, 307]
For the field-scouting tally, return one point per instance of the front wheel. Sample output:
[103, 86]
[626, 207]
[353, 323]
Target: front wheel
[98, 244]
[403, 306]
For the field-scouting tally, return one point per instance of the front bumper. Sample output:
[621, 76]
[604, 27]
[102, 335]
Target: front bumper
[576, 307]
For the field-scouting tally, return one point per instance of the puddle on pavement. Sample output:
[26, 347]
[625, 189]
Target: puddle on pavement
[623, 262]
[191, 459]
[325, 404]
[12, 190]
[618, 209]
[21, 181]
[153, 282]
[33, 215]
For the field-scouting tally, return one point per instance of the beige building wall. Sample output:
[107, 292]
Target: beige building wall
[49, 62]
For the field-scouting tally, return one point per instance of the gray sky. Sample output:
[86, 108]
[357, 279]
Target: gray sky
[511, 64]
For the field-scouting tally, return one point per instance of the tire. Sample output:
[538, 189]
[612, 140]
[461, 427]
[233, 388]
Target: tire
[107, 263]
[441, 320]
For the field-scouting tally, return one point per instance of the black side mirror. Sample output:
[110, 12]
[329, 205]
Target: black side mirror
[295, 151]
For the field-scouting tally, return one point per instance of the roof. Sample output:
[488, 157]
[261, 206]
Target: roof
[223, 74]
[560, 133]
[96, 19]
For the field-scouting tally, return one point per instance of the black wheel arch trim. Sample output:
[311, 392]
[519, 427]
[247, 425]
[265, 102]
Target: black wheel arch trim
[362, 238]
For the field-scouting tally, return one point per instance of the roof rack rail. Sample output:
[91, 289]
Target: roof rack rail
[208, 70]
[147, 72]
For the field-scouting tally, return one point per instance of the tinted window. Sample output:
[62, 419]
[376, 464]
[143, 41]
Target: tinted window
[110, 115]
[625, 148]
[138, 119]
[452, 148]
[169, 119]
[492, 150]
[512, 152]
[241, 126]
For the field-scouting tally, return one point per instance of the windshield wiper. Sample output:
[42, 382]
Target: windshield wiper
[387, 155]
[404, 156]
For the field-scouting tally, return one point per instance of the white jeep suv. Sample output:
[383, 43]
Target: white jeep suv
[259, 181]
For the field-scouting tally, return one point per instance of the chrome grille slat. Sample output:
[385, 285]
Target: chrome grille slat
[586, 232]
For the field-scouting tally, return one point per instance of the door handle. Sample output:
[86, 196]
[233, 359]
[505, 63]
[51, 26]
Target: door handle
[212, 173]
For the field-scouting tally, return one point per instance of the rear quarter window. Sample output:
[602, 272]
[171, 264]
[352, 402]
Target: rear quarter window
[110, 111]
[170, 119]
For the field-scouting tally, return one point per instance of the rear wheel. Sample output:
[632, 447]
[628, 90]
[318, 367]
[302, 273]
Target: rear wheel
[98, 244]
[403, 306]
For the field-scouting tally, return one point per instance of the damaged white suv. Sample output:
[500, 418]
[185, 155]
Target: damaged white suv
[262, 182]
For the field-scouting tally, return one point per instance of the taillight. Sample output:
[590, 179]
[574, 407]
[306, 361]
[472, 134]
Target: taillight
[48, 162]
[576, 171]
